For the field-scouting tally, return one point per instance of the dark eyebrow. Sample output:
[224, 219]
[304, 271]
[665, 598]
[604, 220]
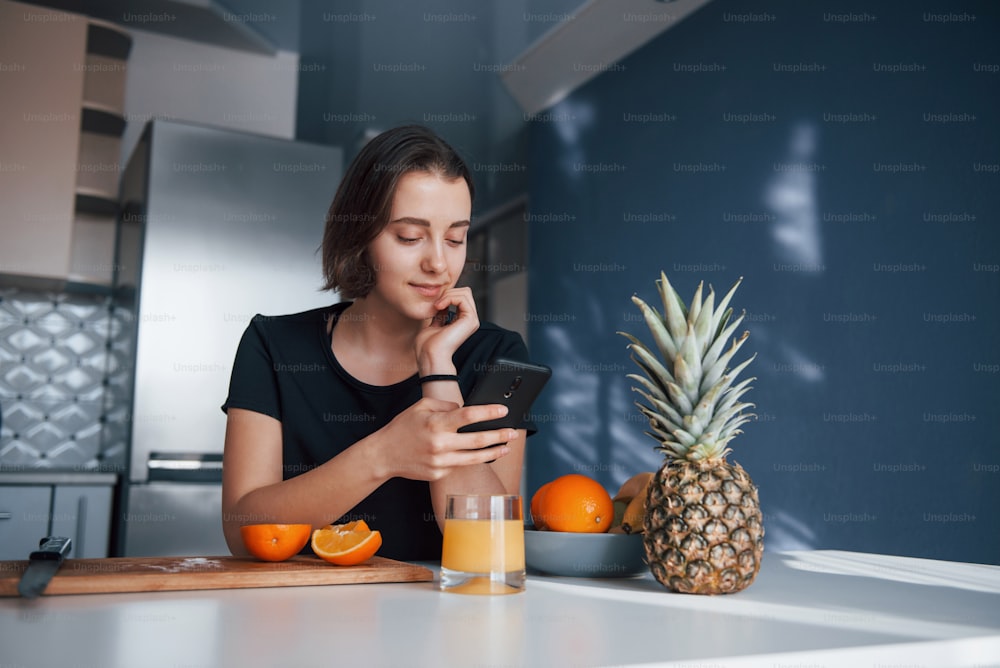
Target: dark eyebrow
[407, 220]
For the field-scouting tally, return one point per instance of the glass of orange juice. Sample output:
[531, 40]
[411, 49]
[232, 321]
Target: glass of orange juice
[483, 550]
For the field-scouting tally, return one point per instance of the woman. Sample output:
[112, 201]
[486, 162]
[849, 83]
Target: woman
[352, 411]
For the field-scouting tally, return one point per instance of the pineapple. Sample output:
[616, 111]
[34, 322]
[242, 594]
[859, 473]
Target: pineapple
[703, 531]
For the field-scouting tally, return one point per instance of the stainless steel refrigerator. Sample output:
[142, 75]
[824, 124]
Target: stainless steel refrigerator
[217, 226]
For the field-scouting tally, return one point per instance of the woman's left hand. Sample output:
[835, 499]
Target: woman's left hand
[437, 342]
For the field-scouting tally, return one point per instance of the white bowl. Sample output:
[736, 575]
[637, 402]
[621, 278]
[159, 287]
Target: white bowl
[590, 555]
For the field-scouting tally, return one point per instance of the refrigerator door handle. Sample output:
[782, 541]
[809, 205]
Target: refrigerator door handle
[184, 467]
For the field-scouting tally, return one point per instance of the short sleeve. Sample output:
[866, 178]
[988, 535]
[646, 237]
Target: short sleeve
[512, 347]
[253, 385]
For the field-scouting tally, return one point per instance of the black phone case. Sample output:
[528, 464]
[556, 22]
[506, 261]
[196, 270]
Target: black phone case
[511, 383]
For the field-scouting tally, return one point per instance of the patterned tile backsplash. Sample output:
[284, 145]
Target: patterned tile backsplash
[65, 380]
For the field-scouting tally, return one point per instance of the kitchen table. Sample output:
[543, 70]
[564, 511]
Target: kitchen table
[807, 608]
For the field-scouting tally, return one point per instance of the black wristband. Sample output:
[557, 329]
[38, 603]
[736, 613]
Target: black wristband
[438, 376]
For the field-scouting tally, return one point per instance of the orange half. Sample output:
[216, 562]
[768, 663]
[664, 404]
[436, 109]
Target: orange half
[346, 544]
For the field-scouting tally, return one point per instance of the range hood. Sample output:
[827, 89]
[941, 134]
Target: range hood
[591, 41]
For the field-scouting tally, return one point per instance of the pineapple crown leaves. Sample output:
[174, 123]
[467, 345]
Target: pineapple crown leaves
[693, 406]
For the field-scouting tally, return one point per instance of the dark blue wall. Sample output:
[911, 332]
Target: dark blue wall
[845, 162]
[369, 65]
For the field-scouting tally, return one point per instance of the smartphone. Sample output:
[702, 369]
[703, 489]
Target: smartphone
[511, 383]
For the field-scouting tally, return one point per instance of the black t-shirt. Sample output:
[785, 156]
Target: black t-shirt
[286, 369]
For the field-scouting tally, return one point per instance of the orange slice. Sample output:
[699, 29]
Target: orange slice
[346, 544]
[275, 542]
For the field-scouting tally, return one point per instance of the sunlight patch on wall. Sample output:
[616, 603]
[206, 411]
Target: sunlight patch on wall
[791, 196]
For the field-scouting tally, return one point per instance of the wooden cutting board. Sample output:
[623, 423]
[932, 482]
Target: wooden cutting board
[144, 574]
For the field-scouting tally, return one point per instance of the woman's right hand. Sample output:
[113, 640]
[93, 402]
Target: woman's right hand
[423, 443]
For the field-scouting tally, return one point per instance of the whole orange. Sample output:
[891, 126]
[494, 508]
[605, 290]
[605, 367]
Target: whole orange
[536, 506]
[275, 542]
[576, 503]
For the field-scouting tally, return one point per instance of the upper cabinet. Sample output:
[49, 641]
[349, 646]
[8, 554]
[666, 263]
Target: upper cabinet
[61, 121]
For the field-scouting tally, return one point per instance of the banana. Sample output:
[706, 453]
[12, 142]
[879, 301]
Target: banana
[635, 513]
[634, 486]
[619, 513]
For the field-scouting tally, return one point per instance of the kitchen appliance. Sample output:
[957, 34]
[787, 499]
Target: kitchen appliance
[217, 226]
[144, 574]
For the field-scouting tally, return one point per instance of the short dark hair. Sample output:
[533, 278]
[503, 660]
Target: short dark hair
[360, 210]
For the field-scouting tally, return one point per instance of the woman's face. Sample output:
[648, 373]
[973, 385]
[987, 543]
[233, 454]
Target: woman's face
[421, 252]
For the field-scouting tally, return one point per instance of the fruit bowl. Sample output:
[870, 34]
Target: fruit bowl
[588, 555]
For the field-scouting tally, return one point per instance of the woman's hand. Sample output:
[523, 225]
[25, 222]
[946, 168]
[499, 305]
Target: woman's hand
[437, 342]
[423, 443]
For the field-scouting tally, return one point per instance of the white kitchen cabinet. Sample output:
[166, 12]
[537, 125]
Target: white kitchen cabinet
[61, 120]
[30, 512]
[24, 519]
[83, 513]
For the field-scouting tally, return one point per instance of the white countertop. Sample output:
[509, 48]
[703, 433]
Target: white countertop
[821, 608]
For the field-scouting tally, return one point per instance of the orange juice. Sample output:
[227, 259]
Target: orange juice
[483, 546]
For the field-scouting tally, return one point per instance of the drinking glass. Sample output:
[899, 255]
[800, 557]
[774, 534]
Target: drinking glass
[483, 550]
